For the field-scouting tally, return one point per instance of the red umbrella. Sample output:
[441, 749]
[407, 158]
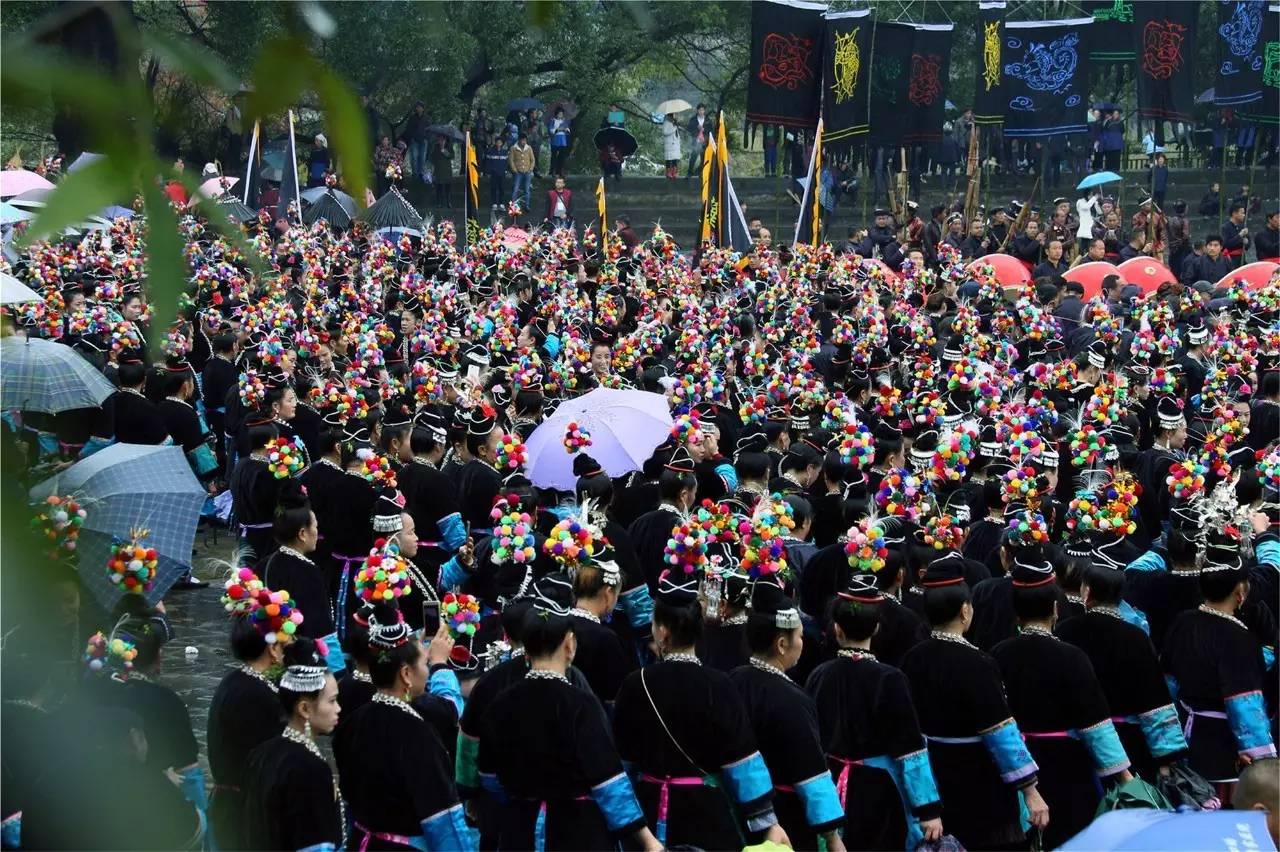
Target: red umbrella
[889, 274]
[1255, 275]
[1090, 275]
[1146, 273]
[1010, 271]
[515, 238]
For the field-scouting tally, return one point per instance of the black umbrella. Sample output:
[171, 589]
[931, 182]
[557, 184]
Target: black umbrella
[569, 107]
[620, 139]
[272, 173]
[392, 211]
[235, 209]
[448, 131]
[523, 104]
[328, 208]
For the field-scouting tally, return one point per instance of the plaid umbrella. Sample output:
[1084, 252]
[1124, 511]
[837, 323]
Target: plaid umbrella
[129, 487]
[39, 375]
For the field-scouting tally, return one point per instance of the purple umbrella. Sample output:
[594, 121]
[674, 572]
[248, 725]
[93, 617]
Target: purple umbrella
[17, 181]
[625, 426]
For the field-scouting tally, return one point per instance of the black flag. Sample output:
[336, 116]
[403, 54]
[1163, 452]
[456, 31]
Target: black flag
[1112, 39]
[1166, 45]
[908, 82]
[988, 98]
[786, 62]
[1266, 110]
[290, 192]
[846, 67]
[1045, 77]
[1241, 52]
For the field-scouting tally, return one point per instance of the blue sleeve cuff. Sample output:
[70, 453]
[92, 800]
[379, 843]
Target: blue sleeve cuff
[917, 779]
[1104, 747]
[1149, 561]
[1267, 552]
[444, 684]
[821, 803]
[1134, 616]
[319, 847]
[1162, 732]
[1268, 657]
[447, 831]
[491, 785]
[637, 605]
[729, 475]
[334, 659]
[452, 574]
[1013, 761]
[617, 801]
[193, 789]
[453, 533]
[748, 779]
[1247, 715]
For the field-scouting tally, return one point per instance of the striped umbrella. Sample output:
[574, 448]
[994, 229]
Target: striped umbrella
[127, 488]
[40, 375]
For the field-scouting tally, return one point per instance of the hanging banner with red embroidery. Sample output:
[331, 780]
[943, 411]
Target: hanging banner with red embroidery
[1165, 31]
[786, 62]
[911, 64]
[1045, 77]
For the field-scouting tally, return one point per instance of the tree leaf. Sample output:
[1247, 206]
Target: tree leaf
[191, 59]
[345, 122]
[31, 74]
[77, 197]
[220, 223]
[166, 267]
[279, 75]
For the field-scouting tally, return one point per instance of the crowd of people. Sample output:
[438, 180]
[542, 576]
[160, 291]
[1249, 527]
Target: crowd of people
[921, 556]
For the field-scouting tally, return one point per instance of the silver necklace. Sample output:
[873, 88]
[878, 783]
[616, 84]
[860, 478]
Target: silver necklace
[293, 735]
[545, 674]
[682, 658]
[1107, 610]
[362, 677]
[1231, 618]
[735, 620]
[855, 654]
[1075, 599]
[943, 636]
[289, 551]
[133, 391]
[178, 400]
[582, 613]
[1037, 631]
[424, 462]
[257, 675]
[330, 463]
[757, 663]
[398, 703]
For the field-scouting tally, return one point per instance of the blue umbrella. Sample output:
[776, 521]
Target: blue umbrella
[125, 488]
[1140, 829]
[115, 211]
[40, 375]
[1098, 179]
[10, 214]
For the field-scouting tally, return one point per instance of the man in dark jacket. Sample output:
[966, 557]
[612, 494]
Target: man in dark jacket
[1235, 236]
[1210, 266]
[1267, 243]
[415, 134]
[933, 235]
[1211, 204]
[560, 204]
[1028, 247]
[1054, 264]
[630, 239]
[699, 128]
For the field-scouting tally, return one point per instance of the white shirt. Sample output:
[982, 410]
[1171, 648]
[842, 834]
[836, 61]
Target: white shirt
[559, 212]
[1086, 208]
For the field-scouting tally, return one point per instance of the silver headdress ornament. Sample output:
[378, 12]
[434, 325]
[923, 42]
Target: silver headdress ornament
[304, 678]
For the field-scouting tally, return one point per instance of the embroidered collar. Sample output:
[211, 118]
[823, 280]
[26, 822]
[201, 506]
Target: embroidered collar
[943, 636]
[1038, 631]
[425, 462]
[760, 664]
[682, 658]
[748, 488]
[1075, 599]
[545, 674]
[330, 463]
[257, 675]
[293, 735]
[180, 401]
[133, 391]
[398, 703]
[676, 510]
[258, 457]
[735, 620]
[855, 654]
[362, 677]
[1105, 609]
[289, 551]
[788, 478]
[282, 422]
[582, 613]
[1204, 607]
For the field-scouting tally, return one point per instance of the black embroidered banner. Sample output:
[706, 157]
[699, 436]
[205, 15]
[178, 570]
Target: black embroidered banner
[988, 98]
[1165, 33]
[1112, 39]
[909, 72]
[786, 62]
[1044, 77]
[1266, 110]
[1240, 52]
[846, 70]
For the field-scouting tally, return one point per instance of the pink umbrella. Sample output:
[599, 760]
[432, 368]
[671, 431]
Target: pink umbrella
[1090, 275]
[515, 238]
[1146, 273]
[214, 187]
[1255, 275]
[17, 181]
[1010, 271]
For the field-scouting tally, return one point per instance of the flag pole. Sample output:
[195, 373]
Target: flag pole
[248, 168]
[466, 167]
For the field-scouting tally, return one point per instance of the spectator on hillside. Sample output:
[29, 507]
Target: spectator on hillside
[1267, 242]
[1159, 180]
[699, 132]
[771, 133]
[520, 160]
[1211, 204]
[482, 129]
[442, 171]
[1112, 140]
[1179, 236]
[1087, 210]
[319, 161]
[671, 146]
[174, 189]
[615, 117]
[1150, 147]
[559, 134]
[630, 239]
[372, 118]
[495, 167]
[560, 204]
[537, 131]
[417, 137]
[383, 155]
[611, 162]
